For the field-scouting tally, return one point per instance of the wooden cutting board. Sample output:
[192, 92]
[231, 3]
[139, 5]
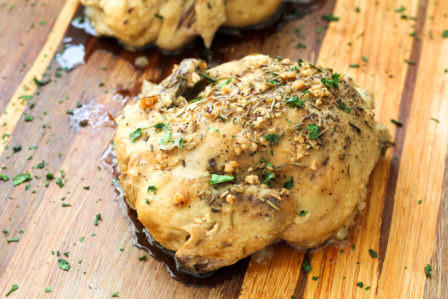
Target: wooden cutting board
[394, 48]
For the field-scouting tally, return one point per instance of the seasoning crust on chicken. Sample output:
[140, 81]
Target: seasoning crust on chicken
[171, 24]
[222, 162]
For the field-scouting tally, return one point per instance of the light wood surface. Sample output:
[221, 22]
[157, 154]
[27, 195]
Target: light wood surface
[406, 218]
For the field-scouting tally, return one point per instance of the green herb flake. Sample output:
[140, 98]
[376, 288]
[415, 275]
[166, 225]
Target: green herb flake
[115, 295]
[294, 101]
[41, 82]
[160, 126]
[166, 138]
[134, 135]
[315, 278]
[360, 284]
[21, 178]
[158, 17]
[302, 213]
[47, 290]
[208, 78]
[152, 189]
[29, 118]
[13, 240]
[268, 176]
[396, 122]
[333, 82]
[367, 288]
[26, 97]
[313, 131]
[14, 287]
[225, 82]
[445, 33]
[400, 9]
[435, 119]
[218, 179]
[4, 177]
[289, 183]
[272, 138]
[428, 269]
[364, 58]
[65, 205]
[373, 253]
[82, 239]
[419, 202]
[330, 18]
[306, 266]
[181, 143]
[98, 218]
[409, 62]
[63, 264]
[143, 258]
[353, 65]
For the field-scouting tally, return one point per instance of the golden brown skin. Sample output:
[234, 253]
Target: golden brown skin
[296, 142]
[171, 24]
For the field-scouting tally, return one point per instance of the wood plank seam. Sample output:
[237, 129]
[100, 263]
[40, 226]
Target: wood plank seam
[400, 135]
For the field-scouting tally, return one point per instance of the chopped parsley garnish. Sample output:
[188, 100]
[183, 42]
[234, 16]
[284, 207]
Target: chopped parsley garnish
[275, 82]
[373, 253]
[143, 258]
[16, 148]
[4, 177]
[166, 138]
[268, 176]
[315, 278]
[225, 82]
[41, 82]
[396, 122]
[29, 118]
[435, 119]
[158, 17]
[65, 205]
[208, 78]
[218, 179]
[135, 134]
[21, 178]
[98, 218]
[428, 270]
[152, 189]
[268, 164]
[115, 295]
[445, 33]
[26, 97]
[333, 82]
[409, 62]
[13, 288]
[294, 101]
[13, 240]
[400, 9]
[302, 213]
[272, 138]
[181, 143]
[353, 65]
[330, 18]
[313, 131]
[47, 290]
[63, 264]
[360, 284]
[364, 58]
[160, 126]
[289, 183]
[306, 266]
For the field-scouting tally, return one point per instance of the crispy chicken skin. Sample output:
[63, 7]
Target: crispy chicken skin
[171, 24]
[220, 163]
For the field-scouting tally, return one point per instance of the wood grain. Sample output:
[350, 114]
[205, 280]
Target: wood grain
[405, 234]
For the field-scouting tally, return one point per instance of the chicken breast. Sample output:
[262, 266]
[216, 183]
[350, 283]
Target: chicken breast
[219, 163]
[171, 24]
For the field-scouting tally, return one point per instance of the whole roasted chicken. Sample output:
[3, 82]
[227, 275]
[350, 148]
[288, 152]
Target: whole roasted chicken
[220, 163]
[172, 24]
